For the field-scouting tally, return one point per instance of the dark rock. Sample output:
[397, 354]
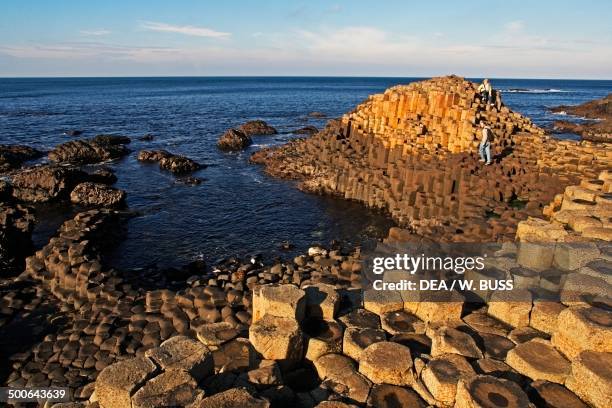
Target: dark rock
[146, 138]
[45, 183]
[306, 130]
[97, 195]
[12, 156]
[100, 148]
[318, 115]
[168, 161]
[104, 175]
[599, 130]
[234, 139]
[257, 127]
[74, 132]
[16, 225]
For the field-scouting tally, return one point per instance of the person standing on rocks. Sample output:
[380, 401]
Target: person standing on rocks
[486, 92]
[485, 143]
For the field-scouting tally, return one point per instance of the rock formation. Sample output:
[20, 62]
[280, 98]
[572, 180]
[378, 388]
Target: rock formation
[411, 152]
[97, 195]
[233, 140]
[16, 225]
[598, 129]
[88, 151]
[12, 156]
[256, 127]
[45, 183]
[171, 162]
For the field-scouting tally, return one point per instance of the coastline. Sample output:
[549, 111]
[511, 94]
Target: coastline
[416, 141]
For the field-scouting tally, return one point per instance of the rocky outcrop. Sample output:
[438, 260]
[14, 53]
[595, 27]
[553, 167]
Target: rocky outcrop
[256, 128]
[16, 225]
[582, 211]
[45, 183]
[599, 129]
[233, 140]
[412, 153]
[88, 151]
[306, 130]
[12, 156]
[97, 195]
[171, 162]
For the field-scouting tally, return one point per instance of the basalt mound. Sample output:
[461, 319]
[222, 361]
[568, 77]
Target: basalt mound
[412, 151]
[12, 156]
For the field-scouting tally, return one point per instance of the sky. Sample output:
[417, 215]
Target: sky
[500, 39]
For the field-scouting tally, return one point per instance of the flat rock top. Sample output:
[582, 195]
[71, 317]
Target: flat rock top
[542, 356]
[127, 374]
[233, 398]
[282, 293]
[600, 363]
[492, 392]
[386, 354]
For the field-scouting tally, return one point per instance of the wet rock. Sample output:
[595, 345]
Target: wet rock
[117, 383]
[13, 156]
[339, 373]
[591, 378]
[318, 115]
[306, 130]
[73, 132]
[233, 398]
[183, 353]
[487, 391]
[387, 363]
[256, 127]
[277, 338]
[171, 388]
[99, 149]
[97, 195]
[168, 161]
[45, 183]
[146, 138]
[153, 155]
[103, 175]
[233, 140]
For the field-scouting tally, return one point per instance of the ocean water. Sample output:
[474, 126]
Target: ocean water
[237, 210]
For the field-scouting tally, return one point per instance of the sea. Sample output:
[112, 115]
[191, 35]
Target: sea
[237, 210]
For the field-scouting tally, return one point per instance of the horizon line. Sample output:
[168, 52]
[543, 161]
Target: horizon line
[292, 76]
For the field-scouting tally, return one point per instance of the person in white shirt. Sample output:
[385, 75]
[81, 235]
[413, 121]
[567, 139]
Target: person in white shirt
[486, 91]
[485, 144]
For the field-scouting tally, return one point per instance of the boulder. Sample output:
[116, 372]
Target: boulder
[233, 140]
[485, 391]
[322, 337]
[168, 161]
[97, 195]
[96, 150]
[13, 156]
[153, 155]
[256, 127]
[538, 360]
[235, 355]
[277, 338]
[172, 388]
[117, 383]
[339, 373]
[306, 130]
[544, 316]
[45, 183]
[387, 363]
[183, 353]
[16, 226]
[591, 378]
[267, 373]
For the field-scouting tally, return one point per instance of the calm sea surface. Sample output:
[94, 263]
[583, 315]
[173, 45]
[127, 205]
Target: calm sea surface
[237, 210]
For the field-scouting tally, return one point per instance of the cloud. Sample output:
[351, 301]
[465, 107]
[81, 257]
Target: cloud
[185, 30]
[95, 32]
[514, 26]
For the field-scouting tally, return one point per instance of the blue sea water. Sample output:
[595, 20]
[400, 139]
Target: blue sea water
[237, 210]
